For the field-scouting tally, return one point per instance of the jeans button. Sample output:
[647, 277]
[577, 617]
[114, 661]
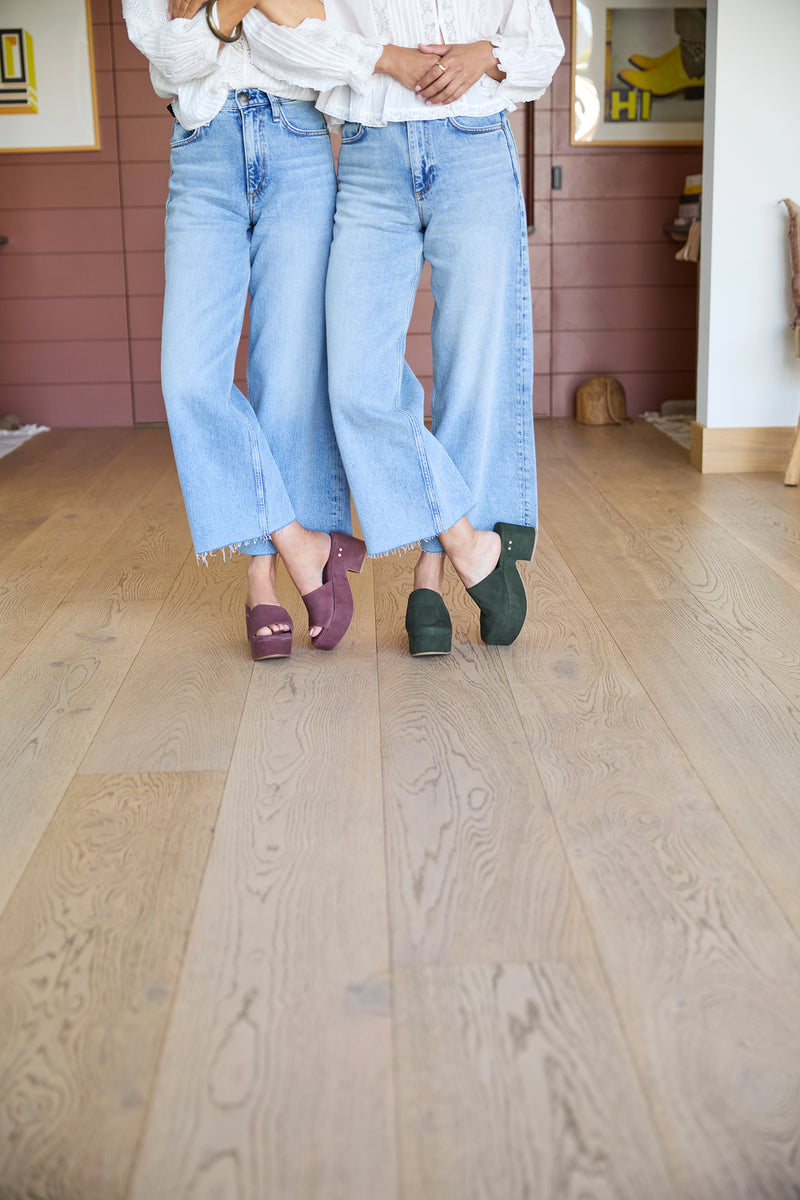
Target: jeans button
[243, 97]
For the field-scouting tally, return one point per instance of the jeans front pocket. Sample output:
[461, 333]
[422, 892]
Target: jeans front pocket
[184, 137]
[466, 124]
[352, 131]
[302, 118]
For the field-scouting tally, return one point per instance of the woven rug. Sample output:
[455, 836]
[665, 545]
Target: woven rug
[679, 428]
[11, 438]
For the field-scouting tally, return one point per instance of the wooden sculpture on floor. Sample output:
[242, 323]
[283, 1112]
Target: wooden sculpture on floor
[792, 476]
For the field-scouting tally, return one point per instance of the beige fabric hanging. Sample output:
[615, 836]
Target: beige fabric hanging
[690, 250]
[794, 250]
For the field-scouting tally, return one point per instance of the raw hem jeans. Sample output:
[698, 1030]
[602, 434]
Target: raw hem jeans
[250, 207]
[446, 191]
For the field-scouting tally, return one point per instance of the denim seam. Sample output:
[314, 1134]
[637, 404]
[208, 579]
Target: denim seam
[425, 156]
[253, 141]
[427, 475]
[522, 448]
[259, 484]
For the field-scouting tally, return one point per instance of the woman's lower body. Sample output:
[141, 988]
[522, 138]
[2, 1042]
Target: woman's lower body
[447, 191]
[250, 210]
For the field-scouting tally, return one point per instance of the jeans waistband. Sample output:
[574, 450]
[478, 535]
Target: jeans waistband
[251, 98]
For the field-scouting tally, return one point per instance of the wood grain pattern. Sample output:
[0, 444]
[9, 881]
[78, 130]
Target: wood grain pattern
[468, 828]
[145, 555]
[92, 942]
[277, 1075]
[769, 530]
[40, 572]
[759, 610]
[54, 467]
[724, 451]
[520, 922]
[684, 926]
[730, 703]
[514, 1080]
[188, 684]
[764, 483]
[53, 699]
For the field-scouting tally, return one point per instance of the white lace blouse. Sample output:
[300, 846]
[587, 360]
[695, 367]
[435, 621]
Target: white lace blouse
[193, 69]
[336, 57]
[524, 33]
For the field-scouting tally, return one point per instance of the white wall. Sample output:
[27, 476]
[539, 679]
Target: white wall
[748, 375]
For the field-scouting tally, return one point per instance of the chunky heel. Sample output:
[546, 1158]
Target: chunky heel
[501, 595]
[428, 624]
[518, 541]
[331, 605]
[268, 645]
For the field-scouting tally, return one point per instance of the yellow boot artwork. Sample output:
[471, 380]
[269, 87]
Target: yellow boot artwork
[645, 63]
[666, 76]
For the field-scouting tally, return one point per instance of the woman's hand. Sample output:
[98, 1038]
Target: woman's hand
[404, 64]
[185, 8]
[457, 68]
[229, 12]
[291, 12]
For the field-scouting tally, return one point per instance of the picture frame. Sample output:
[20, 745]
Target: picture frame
[48, 93]
[638, 73]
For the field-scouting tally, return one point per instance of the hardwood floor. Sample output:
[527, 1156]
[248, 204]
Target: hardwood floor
[518, 923]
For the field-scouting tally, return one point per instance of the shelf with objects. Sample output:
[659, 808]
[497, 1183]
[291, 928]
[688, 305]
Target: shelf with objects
[675, 417]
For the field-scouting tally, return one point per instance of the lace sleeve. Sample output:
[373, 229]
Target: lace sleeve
[179, 51]
[315, 54]
[529, 48]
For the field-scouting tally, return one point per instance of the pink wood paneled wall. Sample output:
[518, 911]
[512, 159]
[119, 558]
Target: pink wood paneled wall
[64, 351]
[82, 277]
[605, 280]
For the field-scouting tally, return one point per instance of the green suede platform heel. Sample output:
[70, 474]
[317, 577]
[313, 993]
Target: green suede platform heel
[501, 595]
[428, 624]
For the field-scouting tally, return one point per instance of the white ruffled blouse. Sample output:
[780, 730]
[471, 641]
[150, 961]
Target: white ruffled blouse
[335, 58]
[525, 35]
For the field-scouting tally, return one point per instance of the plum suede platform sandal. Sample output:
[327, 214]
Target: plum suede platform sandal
[331, 605]
[268, 645]
[428, 624]
[501, 595]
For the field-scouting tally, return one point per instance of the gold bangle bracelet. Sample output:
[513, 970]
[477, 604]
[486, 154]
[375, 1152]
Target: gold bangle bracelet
[234, 37]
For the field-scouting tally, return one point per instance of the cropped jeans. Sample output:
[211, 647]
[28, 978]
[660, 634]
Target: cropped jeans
[445, 190]
[250, 207]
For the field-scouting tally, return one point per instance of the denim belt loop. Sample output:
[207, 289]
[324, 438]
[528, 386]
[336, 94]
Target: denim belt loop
[275, 105]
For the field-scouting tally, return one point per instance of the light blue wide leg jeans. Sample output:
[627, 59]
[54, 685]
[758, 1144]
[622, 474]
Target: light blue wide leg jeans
[446, 190]
[250, 208]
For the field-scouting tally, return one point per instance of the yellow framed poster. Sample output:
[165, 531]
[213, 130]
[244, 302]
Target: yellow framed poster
[48, 97]
[638, 72]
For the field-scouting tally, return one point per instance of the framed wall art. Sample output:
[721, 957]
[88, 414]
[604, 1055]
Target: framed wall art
[638, 73]
[48, 98]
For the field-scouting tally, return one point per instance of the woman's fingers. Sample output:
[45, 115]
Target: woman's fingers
[460, 67]
[445, 84]
[430, 79]
[185, 8]
[452, 92]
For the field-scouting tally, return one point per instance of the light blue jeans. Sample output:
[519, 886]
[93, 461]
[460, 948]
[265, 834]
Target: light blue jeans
[447, 191]
[250, 207]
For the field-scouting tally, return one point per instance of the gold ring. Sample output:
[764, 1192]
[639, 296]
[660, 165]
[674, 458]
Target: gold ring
[441, 68]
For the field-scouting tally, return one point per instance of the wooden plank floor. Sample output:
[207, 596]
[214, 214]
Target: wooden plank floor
[518, 923]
